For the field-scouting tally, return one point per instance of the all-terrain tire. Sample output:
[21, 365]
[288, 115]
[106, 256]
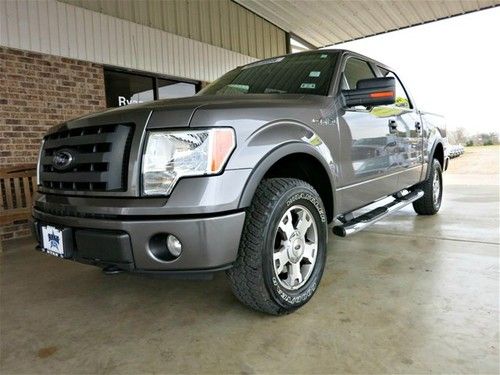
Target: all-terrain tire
[430, 203]
[253, 278]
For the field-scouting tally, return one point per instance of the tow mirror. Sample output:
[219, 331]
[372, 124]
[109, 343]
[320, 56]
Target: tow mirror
[371, 92]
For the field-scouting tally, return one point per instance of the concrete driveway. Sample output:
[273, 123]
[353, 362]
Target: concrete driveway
[411, 294]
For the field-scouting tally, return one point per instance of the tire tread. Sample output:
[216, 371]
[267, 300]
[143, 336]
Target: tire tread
[246, 277]
[425, 205]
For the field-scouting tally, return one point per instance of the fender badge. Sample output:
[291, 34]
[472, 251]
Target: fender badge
[328, 121]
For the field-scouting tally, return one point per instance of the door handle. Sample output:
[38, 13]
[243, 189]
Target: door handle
[393, 125]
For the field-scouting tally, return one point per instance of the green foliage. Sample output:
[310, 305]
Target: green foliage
[482, 139]
[386, 111]
[402, 102]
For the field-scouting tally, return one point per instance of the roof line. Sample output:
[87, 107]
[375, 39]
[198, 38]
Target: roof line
[302, 40]
[412, 25]
[299, 38]
[258, 15]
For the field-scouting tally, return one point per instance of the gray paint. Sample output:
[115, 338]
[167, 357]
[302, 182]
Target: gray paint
[204, 246]
[346, 143]
[193, 195]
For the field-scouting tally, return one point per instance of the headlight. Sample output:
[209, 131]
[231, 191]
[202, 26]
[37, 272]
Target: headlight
[171, 155]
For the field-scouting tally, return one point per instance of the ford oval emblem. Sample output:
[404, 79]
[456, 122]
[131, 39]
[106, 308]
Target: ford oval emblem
[63, 159]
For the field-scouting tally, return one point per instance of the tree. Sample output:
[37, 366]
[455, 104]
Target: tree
[457, 136]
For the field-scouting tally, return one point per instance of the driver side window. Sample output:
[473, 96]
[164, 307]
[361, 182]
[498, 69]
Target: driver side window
[402, 100]
[355, 69]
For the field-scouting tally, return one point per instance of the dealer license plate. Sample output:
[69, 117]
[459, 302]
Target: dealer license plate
[52, 241]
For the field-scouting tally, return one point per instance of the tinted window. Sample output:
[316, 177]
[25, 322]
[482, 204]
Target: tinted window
[306, 73]
[173, 89]
[124, 88]
[355, 69]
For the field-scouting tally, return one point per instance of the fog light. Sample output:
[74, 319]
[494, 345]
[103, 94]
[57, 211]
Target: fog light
[174, 245]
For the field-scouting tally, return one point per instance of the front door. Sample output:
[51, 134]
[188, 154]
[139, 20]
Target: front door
[370, 151]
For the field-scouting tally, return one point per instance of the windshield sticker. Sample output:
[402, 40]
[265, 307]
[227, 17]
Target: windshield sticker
[274, 91]
[264, 62]
[233, 88]
[308, 86]
[324, 56]
[314, 74]
[238, 87]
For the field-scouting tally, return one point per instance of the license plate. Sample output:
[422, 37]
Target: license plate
[52, 241]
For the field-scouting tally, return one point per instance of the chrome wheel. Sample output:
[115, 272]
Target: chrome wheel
[295, 247]
[436, 189]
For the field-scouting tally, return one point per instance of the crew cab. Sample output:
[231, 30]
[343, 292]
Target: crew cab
[247, 177]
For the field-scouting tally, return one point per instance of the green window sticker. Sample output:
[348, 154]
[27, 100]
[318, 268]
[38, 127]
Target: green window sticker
[324, 56]
[308, 86]
[314, 74]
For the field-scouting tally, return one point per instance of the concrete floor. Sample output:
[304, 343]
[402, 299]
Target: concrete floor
[409, 295]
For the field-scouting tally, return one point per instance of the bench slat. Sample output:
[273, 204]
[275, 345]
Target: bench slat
[7, 217]
[8, 194]
[27, 191]
[17, 193]
[18, 171]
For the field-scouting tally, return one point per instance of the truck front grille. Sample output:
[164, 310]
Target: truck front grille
[98, 159]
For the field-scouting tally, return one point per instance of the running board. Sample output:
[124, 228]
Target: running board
[361, 222]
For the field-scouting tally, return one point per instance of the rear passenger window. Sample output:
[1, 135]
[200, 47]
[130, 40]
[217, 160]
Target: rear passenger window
[355, 69]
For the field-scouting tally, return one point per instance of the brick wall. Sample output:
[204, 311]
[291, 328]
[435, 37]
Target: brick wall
[36, 92]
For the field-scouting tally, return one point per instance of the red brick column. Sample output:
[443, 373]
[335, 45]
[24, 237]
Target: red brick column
[38, 91]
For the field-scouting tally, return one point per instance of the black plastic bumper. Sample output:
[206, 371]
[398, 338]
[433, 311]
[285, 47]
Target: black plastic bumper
[98, 247]
[209, 243]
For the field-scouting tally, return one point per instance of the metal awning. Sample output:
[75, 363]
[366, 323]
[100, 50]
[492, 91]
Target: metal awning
[326, 22]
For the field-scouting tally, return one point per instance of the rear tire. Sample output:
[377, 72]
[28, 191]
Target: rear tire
[282, 250]
[430, 203]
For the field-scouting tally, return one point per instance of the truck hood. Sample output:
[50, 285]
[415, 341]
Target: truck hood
[199, 111]
[245, 113]
[218, 110]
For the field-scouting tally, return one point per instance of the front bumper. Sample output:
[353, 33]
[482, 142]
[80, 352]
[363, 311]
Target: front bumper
[209, 242]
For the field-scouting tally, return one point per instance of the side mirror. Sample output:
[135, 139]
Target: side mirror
[371, 92]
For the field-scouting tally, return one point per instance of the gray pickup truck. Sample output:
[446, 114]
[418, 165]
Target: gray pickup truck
[246, 177]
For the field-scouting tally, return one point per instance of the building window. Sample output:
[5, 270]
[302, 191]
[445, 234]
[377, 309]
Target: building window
[124, 88]
[174, 89]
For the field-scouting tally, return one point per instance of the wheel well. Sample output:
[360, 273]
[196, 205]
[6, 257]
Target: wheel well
[306, 168]
[439, 154]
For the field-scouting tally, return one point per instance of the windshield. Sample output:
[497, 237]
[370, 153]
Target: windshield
[304, 73]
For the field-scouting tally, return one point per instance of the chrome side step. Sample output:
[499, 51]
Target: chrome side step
[361, 222]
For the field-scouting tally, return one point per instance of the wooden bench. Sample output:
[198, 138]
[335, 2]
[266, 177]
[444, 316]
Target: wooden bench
[17, 185]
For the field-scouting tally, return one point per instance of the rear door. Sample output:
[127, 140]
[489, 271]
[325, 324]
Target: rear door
[369, 151]
[408, 130]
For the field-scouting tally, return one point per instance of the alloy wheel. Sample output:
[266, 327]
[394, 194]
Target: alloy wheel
[436, 189]
[295, 247]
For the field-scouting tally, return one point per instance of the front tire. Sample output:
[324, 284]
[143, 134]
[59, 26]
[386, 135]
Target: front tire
[282, 250]
[430, 203]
